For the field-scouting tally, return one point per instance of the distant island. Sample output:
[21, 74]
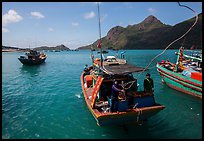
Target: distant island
[42, 48]
[151, 33]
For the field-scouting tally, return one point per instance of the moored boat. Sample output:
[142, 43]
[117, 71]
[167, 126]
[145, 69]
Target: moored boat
[104, 51]
[32, 58]
[134, 106]
[185, 75]
[98, 82]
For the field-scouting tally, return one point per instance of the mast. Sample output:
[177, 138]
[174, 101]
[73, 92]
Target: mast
[99, 42]
[179, 58]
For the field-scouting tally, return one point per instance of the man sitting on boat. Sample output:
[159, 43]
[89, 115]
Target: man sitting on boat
[148, 84]
[86, 69]
[114, 96]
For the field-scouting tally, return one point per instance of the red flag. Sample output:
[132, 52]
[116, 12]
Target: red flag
[99, 44]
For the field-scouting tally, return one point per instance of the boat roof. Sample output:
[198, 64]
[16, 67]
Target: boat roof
[110, 57]
[121, 69]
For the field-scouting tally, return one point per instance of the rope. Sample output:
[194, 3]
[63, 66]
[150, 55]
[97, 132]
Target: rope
[175, 39]
[132, 82]
[138, 117]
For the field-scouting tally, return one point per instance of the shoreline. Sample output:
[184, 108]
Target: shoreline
[13, 50]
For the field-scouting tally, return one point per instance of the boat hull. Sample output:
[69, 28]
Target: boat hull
[180, 83]
[119, 118]
[135, 116]
[31, 62]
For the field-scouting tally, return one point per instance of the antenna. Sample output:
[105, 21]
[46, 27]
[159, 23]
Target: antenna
[99, 43]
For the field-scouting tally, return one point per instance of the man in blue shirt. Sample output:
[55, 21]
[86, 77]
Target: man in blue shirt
[85, 67]
[114, 96]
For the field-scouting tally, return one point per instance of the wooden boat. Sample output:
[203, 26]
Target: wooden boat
[32, 58]
[112, 60]
[185, 75]
[96, 82]
[104, 51]
[134, 106]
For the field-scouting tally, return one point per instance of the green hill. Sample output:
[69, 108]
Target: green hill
[57, 48]
[151, 34]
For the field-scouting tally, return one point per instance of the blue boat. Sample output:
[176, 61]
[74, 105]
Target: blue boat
[32, 58]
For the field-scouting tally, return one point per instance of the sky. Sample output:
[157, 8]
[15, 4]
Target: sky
[75, 24]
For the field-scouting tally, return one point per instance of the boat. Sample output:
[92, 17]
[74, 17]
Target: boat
[97, 80]
[112, 60]
[32, 58]
[104, 51]
[185, 75]
[134, 106]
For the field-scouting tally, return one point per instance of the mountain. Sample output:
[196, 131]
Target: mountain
[151, 33]
[58, 48]
[11, 49]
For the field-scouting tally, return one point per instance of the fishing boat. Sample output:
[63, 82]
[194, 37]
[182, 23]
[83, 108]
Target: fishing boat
[32, 58]
[104, 51]
[185, 75]
[96, 81]
[134, 106]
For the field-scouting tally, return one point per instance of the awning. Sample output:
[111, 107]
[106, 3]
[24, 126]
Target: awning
[121, 69]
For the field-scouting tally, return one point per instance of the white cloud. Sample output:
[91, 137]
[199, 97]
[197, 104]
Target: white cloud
[37, 15]
[11, 17]
[75, 24]
[89, 15]
[50, 29]
[152, 10]
[4, 30]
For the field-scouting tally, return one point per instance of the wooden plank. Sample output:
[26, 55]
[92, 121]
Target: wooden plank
[96, 89]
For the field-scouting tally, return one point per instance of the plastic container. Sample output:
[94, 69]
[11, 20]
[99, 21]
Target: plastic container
[88, 80]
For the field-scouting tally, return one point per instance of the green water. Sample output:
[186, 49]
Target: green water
[46, 101]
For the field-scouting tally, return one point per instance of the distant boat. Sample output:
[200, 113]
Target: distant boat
[112, 60]
[185, 75]
[104, 51]
[32, 58]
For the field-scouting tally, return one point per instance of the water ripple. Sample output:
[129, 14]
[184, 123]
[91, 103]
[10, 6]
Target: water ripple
[46, 101]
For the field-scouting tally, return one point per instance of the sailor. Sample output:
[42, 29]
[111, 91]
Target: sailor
[87, 70]
[148, 84]
[114, 96]
[85, 67]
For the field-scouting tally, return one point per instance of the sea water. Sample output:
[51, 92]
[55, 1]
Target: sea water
[46, 101]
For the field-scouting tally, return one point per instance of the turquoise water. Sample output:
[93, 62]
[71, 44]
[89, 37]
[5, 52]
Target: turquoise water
[46, 101]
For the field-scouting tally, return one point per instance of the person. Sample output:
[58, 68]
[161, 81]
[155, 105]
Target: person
[122, 87]
[85, 67]
[114, 96]
[148, 84]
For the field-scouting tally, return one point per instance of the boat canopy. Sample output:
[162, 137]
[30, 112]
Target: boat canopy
[110, 57]
[121, 69]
